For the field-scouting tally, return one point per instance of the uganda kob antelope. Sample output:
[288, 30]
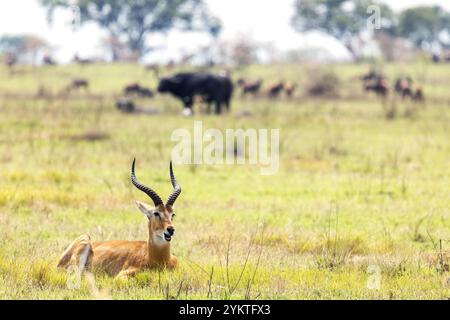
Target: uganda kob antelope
[126, 258]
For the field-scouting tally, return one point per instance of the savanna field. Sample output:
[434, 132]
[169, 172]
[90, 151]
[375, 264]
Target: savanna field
[359, 208]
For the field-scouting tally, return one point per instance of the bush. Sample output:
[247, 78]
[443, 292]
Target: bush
[324, 84]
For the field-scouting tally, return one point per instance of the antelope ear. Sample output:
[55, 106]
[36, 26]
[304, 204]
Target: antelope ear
[145, 209]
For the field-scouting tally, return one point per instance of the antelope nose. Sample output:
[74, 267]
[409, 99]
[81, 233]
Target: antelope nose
[171, 230]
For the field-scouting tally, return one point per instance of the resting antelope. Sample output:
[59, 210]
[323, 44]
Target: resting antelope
[125, 258]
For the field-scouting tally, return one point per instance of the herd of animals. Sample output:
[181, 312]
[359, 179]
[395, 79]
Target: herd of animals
[213, 89]
[444, 57]
[404, 86]
[217, 88]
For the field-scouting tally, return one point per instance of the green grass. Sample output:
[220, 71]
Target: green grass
[355, 190]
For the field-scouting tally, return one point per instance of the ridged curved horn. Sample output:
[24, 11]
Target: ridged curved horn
[177, 189]
[148, 191]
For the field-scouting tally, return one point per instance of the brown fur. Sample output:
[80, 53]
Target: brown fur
[380, 86]
[418, 95]
[126, 258]
[276, 89]
[251, 87]
[77, 84]
[289, 89]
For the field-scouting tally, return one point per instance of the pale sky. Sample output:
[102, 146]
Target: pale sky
[263, 20]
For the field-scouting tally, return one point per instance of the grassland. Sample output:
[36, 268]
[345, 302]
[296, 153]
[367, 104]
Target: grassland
[357, 193]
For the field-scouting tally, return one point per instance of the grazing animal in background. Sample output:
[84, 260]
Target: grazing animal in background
[132, 88]
[214, 88]
[146, 92]
[403, 86]
[136, 88]
[126, 258]
[227, 88]
[418, 95]
[48, 60]
[125, 105]
[77, 59]
[10, 60]
[77, 84]
[376, 82]
[249, 87]
[436, 58]
[289, 88]
[379, 85]
[275, 89]
[241, 81]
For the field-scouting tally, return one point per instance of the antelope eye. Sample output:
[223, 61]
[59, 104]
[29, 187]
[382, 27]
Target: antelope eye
[173, 215]
[156, 213]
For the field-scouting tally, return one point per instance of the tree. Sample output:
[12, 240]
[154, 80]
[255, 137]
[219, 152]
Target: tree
[243, 50]
[10, 44]
[132, 21]
[342, 19]
[424, 25]
[24, 47]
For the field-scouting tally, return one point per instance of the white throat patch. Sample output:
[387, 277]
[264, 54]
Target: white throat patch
[158, 238]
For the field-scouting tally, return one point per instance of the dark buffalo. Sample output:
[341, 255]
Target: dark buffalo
[215, 89]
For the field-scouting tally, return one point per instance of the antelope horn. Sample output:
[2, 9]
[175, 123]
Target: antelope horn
[177, 189]
[148, 191]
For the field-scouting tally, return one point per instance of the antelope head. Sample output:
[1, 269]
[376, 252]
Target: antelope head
[160, 216]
